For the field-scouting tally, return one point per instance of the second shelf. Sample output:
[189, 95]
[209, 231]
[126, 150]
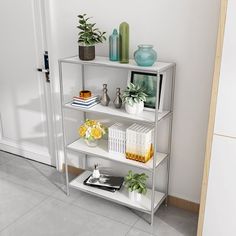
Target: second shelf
[145, 116]
[102, 151]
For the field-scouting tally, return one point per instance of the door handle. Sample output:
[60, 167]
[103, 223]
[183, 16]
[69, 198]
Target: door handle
[43, 70]
[46, 71]
[46, 65]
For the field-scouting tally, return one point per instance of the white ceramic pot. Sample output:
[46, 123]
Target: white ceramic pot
[135, 196]
[137, 108]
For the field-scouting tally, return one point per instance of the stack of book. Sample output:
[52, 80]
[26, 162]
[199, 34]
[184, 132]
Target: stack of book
[117, 138]
[85, 102]
[139, 142]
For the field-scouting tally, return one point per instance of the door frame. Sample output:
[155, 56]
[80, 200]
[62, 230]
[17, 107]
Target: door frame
[51, 39]
[211, 122]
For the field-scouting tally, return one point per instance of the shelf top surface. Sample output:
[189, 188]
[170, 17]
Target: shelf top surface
[146, 116]
[102, 151]
[120, 196]
[104, 61]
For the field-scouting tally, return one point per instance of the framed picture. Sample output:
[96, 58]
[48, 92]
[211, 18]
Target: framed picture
[148, 81]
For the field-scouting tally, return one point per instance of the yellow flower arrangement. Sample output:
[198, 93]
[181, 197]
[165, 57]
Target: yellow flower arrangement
[92, 130]
[96, 133]
[82, 130]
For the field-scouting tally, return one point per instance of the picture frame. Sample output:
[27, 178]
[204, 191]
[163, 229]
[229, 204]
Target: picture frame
[149, 82]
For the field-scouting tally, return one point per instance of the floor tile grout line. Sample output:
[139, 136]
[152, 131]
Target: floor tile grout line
[93, 212]
[152, 233]
[128, 230]
[71, 203]
[132, 226]
[29, 188]
[5, 162]
[74, 204]
[25, 214]
[17, 183]
[35, 168]
[51, 195]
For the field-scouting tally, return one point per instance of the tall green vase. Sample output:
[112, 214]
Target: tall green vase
[124, 42]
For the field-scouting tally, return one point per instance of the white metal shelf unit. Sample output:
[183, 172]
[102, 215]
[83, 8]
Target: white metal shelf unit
[153, 198]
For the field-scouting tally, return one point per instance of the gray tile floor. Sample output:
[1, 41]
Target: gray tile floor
[33, 202]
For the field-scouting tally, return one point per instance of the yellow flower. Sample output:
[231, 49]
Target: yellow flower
[96, 133]
[91, 122]
[82, 130]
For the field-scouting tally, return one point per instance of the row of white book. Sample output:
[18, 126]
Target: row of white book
[134, 141]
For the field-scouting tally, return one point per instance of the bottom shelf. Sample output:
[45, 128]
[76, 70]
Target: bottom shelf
[120, 197]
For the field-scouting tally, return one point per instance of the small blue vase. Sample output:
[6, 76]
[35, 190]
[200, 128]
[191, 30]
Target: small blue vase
[114, 46]
[145, 55]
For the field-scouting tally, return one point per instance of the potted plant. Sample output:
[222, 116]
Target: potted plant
[136, 185]
[91, 131]
[134, 98]
[89, 35]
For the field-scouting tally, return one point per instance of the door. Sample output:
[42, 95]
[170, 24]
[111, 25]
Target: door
[25, 103]
[217, 207]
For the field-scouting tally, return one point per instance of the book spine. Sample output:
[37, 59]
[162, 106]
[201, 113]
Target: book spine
[109, 139]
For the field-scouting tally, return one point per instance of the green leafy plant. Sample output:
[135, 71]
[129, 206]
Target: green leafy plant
[133, 94]
[136, 182]
[89, 34]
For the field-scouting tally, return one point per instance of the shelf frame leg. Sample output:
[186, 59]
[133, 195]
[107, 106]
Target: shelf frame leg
[173, 69]
[155, 152]
[84, 115]
[63, 129]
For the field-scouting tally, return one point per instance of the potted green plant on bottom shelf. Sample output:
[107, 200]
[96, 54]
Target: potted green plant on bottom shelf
[134, 98]
[89, 35]
[136, 185]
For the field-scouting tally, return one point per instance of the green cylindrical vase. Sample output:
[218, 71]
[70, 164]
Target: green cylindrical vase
[124, 42]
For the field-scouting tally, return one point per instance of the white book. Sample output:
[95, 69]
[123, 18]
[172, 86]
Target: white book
[117, 136]
[84, 106]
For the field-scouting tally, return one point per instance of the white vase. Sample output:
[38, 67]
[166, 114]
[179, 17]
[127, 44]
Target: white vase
[96, 174]
[137, 108]
[135, 196]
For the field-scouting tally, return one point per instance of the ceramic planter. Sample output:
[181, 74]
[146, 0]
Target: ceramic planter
[86, 53]
[135, 109]
[135, 196]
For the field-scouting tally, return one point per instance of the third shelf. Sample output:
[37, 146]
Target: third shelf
[102, 151]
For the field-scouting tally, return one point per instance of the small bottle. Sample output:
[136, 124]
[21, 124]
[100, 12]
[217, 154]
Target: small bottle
[96, 172]
[114, 46]
[124, 42]
[105, 98]
[118, 101]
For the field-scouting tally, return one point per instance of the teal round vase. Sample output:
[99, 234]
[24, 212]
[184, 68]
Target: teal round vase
[145, 55]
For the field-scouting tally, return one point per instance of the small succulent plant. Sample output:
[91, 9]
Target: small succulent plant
[133, 94]
[89, 34]
[136, 182]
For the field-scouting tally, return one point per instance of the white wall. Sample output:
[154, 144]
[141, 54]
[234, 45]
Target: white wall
[182, 31]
